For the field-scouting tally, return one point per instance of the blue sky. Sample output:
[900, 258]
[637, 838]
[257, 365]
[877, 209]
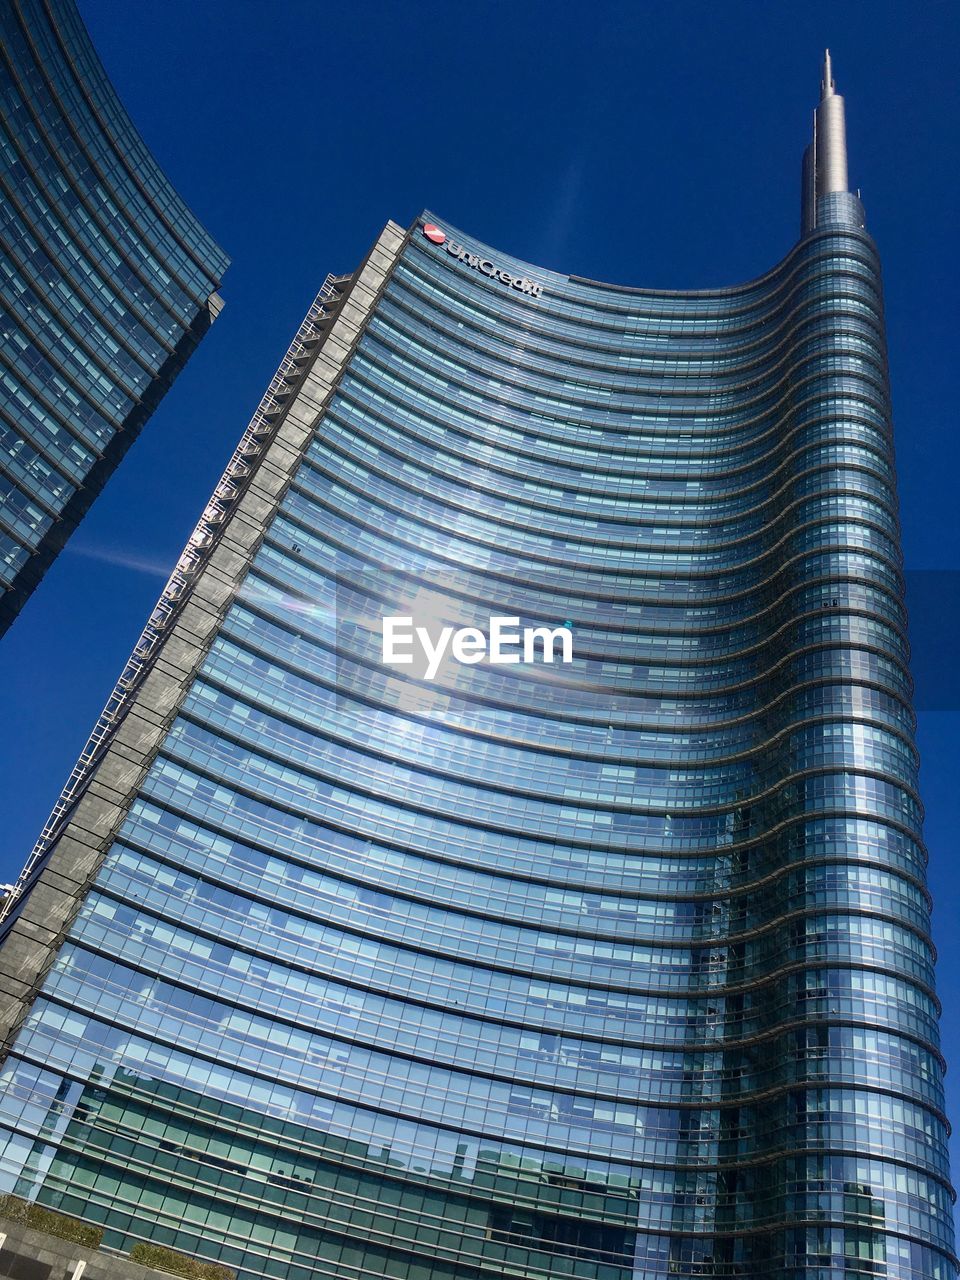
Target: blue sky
[654, 144]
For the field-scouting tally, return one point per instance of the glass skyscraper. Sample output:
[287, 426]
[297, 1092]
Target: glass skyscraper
[617, 969]
[107, 283]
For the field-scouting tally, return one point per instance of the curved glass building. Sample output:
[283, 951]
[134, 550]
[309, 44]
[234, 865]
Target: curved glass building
[107, 283]
[616, 969]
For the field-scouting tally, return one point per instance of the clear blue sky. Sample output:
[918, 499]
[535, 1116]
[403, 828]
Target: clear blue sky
[655, 144]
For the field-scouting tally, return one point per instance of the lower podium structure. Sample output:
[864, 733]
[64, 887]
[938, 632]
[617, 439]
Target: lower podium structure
[616, 968]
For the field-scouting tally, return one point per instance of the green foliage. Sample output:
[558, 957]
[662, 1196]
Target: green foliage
[179, 1264]
[53, 1223]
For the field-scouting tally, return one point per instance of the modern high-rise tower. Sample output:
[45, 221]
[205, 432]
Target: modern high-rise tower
[617, 969]
[107, 283]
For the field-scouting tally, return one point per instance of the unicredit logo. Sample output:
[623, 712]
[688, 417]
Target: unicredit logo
[487, 268]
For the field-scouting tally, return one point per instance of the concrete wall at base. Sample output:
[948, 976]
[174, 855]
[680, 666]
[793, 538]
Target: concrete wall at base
[33, 1255]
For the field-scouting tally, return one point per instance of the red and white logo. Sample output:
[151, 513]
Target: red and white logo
[433, 233]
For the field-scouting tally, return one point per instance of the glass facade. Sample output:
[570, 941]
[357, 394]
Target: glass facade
[107, 283]
[619, 970]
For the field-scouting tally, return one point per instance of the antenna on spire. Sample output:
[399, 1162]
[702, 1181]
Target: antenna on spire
[827, 86]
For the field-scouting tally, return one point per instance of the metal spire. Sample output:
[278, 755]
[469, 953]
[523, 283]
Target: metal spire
[831, 136]
[825, 160]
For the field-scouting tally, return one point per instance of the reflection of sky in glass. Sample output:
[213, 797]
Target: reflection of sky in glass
[557, 907]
